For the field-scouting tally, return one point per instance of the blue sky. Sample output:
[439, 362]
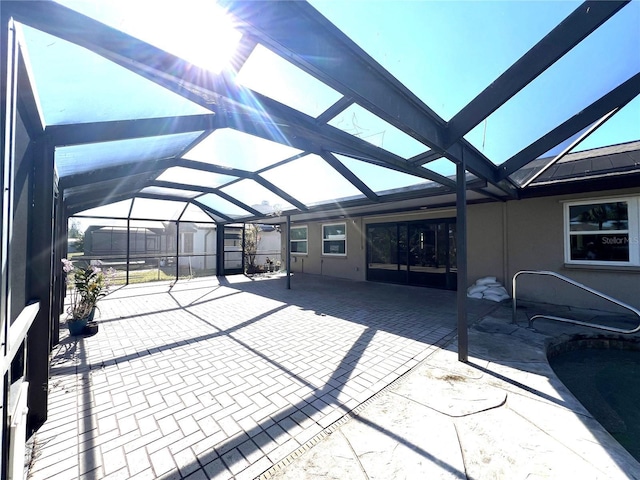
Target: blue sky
[446, 52]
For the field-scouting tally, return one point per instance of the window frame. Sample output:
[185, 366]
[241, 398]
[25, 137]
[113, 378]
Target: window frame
[306, 240]
[325, 240]
[188, 240]
[633, 231]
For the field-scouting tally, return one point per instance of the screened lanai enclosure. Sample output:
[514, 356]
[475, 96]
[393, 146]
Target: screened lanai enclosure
[164, 128]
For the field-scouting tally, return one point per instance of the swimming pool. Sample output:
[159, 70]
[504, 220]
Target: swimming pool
[604, 375]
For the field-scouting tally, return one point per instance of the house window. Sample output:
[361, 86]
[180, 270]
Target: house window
[299, 240]
[602, 232]
[187, 243]
[152, 244]
[334, 239]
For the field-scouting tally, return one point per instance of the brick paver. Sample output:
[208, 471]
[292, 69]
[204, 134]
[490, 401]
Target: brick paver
[223, 378]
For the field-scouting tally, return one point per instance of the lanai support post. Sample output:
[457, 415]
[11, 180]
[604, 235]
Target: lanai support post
[461, 259]
[219, 249]
[244, 249]
[40, 271]
[8, 108]
[177, 250]
[288, 252]
[128, 247]
[126, 281]
[60, 242]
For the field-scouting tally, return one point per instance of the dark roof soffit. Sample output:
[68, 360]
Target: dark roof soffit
[585, 185]
[617, 160]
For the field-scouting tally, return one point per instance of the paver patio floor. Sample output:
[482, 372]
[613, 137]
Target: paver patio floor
[223, 378]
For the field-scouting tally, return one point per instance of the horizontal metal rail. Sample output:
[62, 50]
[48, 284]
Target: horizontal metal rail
[18, 332]
[570, 320]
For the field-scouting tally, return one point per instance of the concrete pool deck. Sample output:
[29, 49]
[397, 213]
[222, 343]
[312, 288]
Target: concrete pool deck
[504, 415]
[244, 379]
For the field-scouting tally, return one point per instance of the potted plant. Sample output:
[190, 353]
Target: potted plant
[89, 285]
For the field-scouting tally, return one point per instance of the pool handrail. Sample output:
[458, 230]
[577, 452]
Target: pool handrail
[570, 320]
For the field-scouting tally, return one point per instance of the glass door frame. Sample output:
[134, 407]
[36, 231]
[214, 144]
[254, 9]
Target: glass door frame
[402, 273]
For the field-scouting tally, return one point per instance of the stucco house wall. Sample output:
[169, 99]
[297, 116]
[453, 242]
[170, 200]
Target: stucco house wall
[204, 243]
[485, 233]
[503, 238]
[269, 246]
[204, 247]
[351, 266]
[536, 241]
[485, 242]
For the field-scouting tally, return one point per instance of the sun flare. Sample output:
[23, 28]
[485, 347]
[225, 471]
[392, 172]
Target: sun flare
[198, 31]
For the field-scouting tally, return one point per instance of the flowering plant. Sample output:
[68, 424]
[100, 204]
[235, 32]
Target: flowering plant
[89, 285]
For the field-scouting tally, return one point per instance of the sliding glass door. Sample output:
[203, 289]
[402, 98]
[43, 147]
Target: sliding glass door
[414, 253]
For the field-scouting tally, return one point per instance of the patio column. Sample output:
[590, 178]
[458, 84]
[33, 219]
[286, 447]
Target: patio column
[177, 250]
[8, 107]
[59, 252]
[219, 249]
[127, 266]
[288, 252]
[461, 258]
[40, 273]
[128, 247]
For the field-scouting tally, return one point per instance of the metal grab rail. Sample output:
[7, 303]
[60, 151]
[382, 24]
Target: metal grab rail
[570, 320]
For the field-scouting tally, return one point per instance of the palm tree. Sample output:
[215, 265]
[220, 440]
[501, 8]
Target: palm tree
[597, 213]
[604, 212]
